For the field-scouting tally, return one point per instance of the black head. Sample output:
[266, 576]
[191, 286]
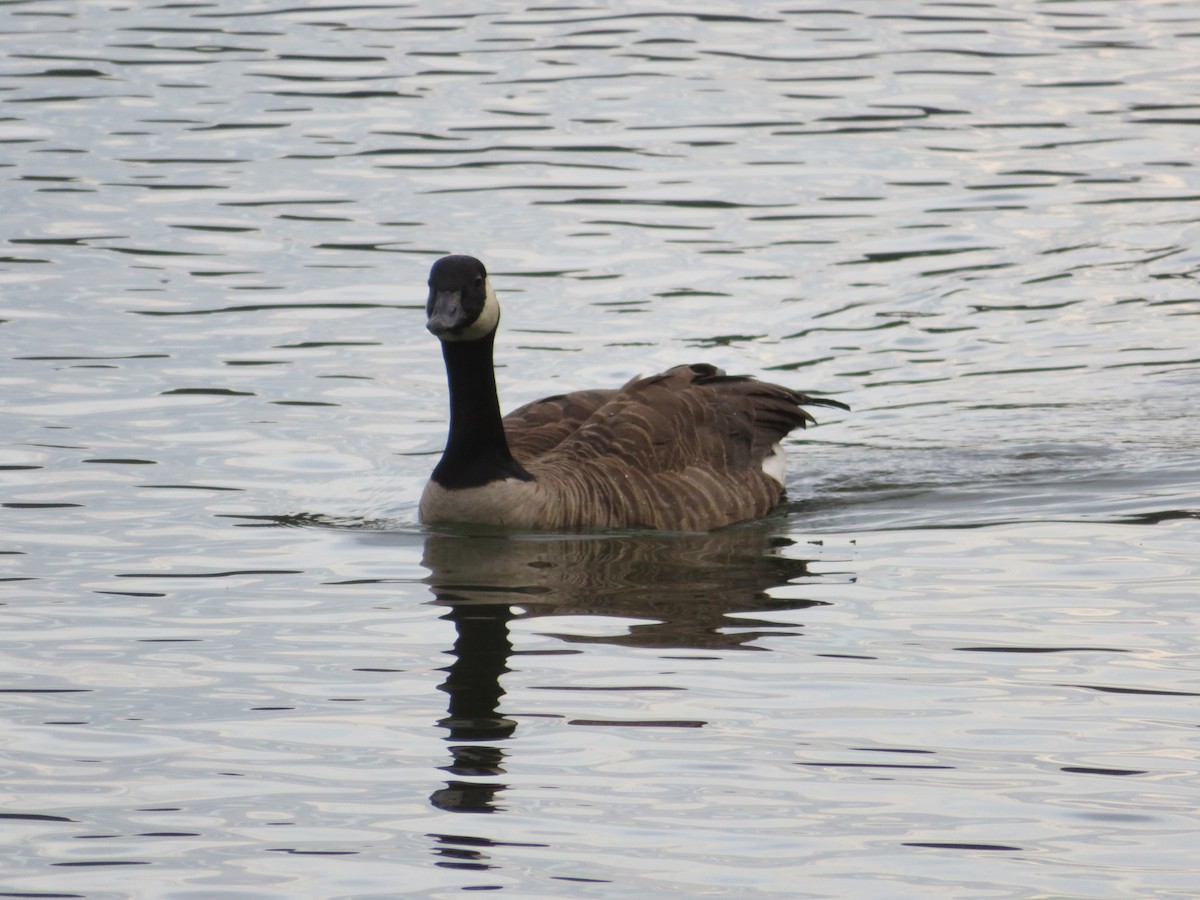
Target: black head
[461, 305]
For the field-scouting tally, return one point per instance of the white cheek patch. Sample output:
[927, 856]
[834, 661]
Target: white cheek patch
[485, 324]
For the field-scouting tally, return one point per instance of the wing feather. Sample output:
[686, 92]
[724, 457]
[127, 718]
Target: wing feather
[680, 450]
[540, 426]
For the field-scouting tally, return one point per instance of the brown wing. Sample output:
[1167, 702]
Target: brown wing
[688, 416]
[680, 450]
[540, 426]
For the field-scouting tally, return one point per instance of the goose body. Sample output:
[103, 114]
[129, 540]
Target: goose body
[689, 449]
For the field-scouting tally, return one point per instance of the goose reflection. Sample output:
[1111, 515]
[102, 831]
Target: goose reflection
[682, 589]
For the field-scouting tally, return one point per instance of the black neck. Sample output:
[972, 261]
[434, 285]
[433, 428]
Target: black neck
[476, 450]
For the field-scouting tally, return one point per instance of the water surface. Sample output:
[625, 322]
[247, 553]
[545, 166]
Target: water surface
[960, 662]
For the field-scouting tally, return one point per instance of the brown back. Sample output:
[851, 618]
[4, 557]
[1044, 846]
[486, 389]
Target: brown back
[682, 450]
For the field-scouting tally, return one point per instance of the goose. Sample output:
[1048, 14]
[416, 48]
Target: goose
[689, 449]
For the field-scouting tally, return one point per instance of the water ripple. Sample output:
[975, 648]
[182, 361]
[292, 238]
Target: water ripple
[972, 625]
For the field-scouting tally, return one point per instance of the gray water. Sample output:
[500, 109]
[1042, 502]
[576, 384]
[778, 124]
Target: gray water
[961, 662]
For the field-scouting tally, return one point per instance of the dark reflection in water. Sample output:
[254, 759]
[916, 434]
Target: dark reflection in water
[689, 585]
[480, 653]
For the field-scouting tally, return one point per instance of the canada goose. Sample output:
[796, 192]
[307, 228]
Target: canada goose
[690, 449]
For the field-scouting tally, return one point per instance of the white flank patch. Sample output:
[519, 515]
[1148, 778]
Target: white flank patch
[489, 318]
[775, 464]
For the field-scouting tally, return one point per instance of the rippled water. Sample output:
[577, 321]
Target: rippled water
[962, 661]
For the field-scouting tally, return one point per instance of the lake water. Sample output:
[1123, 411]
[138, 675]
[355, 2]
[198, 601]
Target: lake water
[961, 662]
